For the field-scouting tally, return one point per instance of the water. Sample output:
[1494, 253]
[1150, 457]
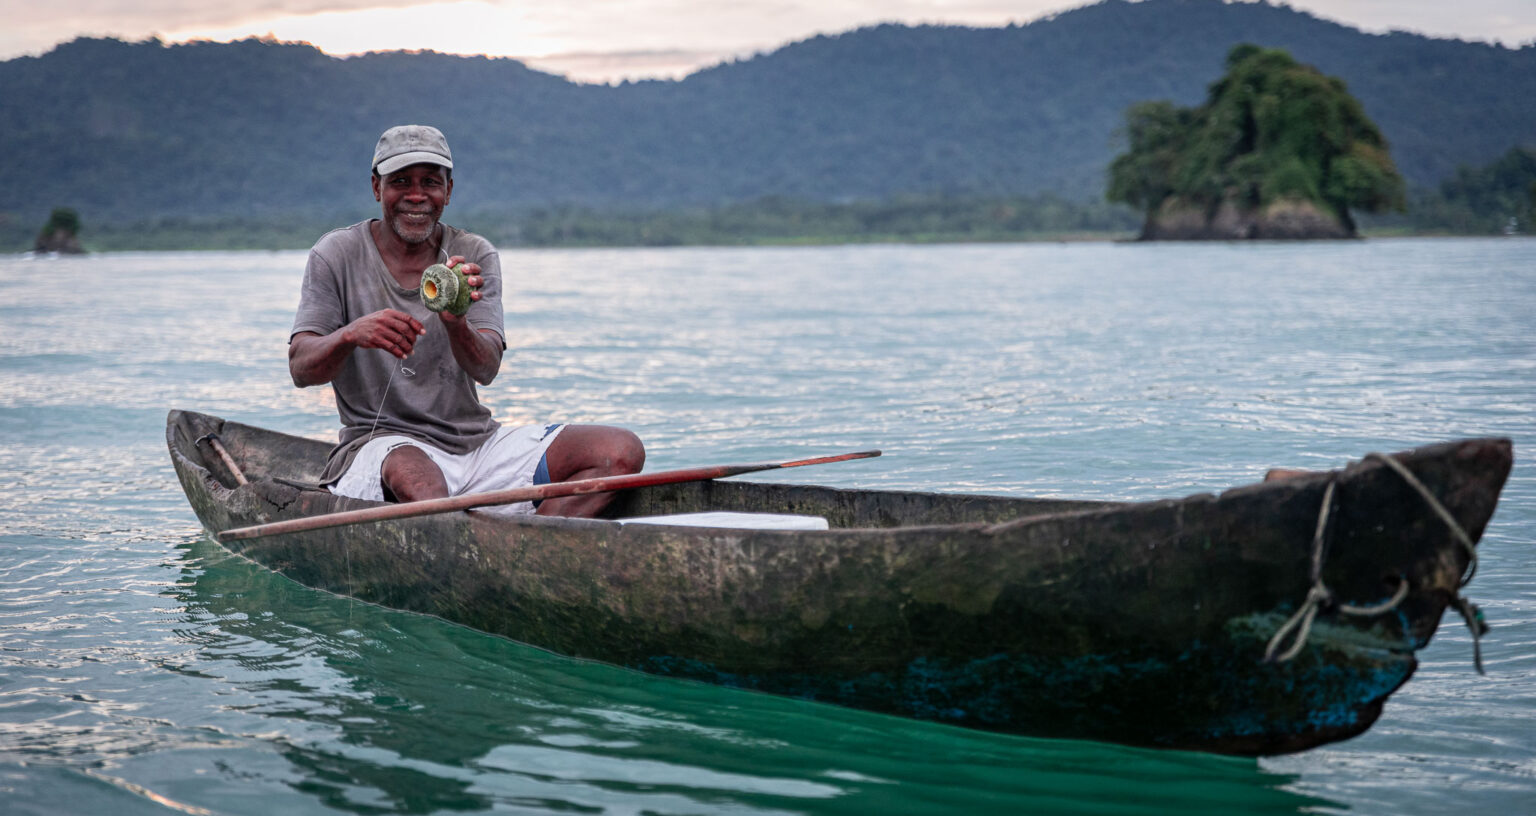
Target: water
[144, 670]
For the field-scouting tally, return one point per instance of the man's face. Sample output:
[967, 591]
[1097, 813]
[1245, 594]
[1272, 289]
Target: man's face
[413, 199]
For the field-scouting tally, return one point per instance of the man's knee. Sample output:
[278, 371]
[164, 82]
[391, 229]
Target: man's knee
[409, 474]
[583, 451]
[629, 451]
[614, 450]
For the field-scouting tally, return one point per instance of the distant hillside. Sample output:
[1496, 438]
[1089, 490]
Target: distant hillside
[132, 132]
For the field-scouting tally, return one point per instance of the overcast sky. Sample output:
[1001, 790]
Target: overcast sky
[609, 39]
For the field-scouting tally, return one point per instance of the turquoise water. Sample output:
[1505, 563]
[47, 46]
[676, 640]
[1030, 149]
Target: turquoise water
[144, 670]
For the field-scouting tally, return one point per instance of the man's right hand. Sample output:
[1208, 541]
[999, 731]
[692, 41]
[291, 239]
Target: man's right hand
[388, 329]
[314, 359]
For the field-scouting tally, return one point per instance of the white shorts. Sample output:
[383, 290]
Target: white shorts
[508, 459]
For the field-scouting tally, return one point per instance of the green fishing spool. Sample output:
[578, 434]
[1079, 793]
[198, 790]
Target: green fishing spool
[445, 289]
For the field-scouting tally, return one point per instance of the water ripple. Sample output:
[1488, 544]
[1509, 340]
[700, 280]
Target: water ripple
[141, 666]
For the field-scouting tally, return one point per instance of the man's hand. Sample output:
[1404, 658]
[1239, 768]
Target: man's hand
[477, 352]
[472, 274]
[315, 359]
[387, 329]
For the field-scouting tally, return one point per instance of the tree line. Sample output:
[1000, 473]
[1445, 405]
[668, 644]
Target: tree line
[1489, 200]
[268, 134]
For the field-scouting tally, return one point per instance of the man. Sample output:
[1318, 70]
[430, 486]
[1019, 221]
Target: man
[412, 424]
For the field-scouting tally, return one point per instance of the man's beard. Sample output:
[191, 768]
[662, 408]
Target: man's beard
[413, 233]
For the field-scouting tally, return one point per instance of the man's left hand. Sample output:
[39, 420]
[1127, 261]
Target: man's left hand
[472, 273]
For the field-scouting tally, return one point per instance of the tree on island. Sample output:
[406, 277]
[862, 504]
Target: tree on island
[1278, 150]
[60, 234]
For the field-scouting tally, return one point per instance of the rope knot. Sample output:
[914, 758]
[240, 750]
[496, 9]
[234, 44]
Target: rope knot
[1320, 597]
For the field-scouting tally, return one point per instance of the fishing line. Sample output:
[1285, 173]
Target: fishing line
[379, 411]
[409, 372]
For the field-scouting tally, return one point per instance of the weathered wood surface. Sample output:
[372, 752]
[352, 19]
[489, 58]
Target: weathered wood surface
[1135, 623]
[493, 498]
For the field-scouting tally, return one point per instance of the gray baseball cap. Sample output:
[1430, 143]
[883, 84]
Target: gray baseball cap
[405, 145]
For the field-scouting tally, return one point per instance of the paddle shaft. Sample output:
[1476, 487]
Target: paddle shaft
[229, 462]
[602, 484]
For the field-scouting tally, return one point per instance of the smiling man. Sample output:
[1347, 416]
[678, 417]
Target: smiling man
[405, 379]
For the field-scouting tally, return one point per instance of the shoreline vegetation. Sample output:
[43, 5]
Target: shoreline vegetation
[774, 221]
[771, 221]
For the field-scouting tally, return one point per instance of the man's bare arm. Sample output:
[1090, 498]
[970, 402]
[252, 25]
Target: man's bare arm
[478, 351]
[316, 359]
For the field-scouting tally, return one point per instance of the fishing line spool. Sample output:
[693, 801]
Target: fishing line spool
[445, 289]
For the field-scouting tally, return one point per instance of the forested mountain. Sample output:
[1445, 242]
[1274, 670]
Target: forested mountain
[131, 132]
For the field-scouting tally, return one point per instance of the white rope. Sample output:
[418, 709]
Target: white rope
[1439, 509]
[1319, 596]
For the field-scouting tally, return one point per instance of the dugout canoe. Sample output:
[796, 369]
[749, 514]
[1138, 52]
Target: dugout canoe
[1151, 624]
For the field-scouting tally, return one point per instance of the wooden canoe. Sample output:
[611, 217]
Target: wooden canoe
[1138, 623]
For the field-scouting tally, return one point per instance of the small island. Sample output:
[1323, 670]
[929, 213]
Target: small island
[61, 234]
[1278, 151]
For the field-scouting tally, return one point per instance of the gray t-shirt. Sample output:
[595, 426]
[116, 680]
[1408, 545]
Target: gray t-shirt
[345, 279]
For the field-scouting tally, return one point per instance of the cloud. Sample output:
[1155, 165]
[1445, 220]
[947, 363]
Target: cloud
[1509, 22]
[503, 27]
[614, 66]
[37, 25]
[553, 31]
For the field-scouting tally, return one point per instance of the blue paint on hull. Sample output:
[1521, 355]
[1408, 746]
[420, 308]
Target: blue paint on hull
[1210, 695]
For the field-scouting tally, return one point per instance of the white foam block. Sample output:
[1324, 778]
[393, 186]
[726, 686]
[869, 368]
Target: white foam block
[741, 521]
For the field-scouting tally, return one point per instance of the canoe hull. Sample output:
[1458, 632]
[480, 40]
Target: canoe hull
[1137, 623]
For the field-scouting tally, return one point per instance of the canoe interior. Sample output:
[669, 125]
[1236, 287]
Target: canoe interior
[268, 454]
[1140, 623]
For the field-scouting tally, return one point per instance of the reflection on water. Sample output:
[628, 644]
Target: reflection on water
[518, 726]
[143, 670]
